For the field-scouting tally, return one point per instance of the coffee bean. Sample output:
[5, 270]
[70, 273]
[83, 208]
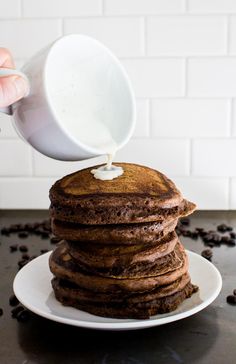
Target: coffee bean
[44, 235]
[185, 221]
[55, 240]
[202, 233]
[231, 299]
[199, 229]
[1, 311]
[233, 235]
[215, 238]
[207, 253]
[223, 228]
[23, 235]
[44, 251]
[194, 235]
[16, 310]
[22, 263]
[23, 316]
[186, 233]
[210, 244]
[208, 238]
[13, 248]
[13, 300]
[231, 242]
[5, 231]
[225, 239]
[23, 248]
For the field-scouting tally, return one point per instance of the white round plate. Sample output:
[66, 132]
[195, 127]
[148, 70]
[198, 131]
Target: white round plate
[32, 286]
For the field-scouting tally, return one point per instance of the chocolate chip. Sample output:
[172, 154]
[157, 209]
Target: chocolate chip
[13, 300]
[234, 292]
[231, 299]
[207, 253]
[16, 310]
[13, 248]
[25, 256]
[23, 235]
[23, 316]
[23, 248]
[1, 311]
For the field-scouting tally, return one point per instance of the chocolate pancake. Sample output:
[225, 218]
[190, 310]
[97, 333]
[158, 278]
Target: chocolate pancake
[73, 291]
[63, 266]
[125, 234]
[141, 306]
[121, 257]
[141, 194]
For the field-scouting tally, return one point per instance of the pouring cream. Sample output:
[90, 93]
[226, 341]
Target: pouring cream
[109, 171]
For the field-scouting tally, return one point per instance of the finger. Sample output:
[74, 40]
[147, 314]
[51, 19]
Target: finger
[6, 59]
[12, 89]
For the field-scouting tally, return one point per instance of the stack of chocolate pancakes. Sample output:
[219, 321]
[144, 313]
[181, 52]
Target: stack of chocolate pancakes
[119, 255]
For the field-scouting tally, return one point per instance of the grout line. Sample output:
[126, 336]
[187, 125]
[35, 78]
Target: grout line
[228, 35]
[192, 98]
[171, 97]
[229, 192]
[185, 77]
[144, 36]
[231, 117]
[150, 121]
[186, 7]
[103, 8]
[183, 56]
[63, 26]
[32, 169]
[187, 137]
[190, 157]
[121, 16]
[21, 8]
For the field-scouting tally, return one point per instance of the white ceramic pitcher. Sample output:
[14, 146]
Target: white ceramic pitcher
[103, 89]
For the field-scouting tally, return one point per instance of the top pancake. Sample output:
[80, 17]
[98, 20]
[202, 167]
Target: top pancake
[141, 194]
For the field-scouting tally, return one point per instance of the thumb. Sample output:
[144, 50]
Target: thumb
[21, 87]
[12, 89]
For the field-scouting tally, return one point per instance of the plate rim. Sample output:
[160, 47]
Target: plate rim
[132, 323]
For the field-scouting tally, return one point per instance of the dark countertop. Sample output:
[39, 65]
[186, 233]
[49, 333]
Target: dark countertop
[207, 337]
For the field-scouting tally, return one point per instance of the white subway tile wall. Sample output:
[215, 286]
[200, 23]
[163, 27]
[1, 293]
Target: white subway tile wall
[181, 58]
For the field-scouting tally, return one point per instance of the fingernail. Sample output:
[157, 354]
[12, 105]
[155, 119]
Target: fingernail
[22, 86]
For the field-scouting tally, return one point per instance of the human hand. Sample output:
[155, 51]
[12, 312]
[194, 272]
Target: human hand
[12, 88]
